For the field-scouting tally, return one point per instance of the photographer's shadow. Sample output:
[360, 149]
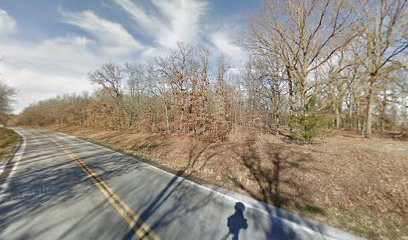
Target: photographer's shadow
[236, 222]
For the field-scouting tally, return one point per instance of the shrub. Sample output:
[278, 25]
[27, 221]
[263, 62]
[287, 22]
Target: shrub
[305, 128]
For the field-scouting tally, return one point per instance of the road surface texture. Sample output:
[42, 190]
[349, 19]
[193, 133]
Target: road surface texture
[61, 187]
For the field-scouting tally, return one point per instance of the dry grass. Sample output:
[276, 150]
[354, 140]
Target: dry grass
[8, 142]
[349, 182]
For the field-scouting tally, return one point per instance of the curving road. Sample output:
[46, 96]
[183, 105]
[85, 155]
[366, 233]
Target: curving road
[61, 187]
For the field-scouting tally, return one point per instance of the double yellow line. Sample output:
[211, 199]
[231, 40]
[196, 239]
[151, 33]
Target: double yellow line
[142, 230]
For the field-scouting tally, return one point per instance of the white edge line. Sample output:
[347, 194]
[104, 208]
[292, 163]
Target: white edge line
[2, 167]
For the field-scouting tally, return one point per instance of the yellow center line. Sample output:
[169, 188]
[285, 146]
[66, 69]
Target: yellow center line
[142, 230]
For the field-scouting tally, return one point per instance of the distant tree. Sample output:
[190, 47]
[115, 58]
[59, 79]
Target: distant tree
[178, 71]
[109, 77]
[135, 78]
[6, 98]
[222, 115]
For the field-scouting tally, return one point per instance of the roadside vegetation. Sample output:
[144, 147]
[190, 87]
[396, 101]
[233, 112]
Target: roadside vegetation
[347, 181]
[9, 141]
[315, 122]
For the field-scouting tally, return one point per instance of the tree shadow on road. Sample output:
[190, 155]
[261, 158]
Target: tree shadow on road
[47, 178]
[168, 200]
[273, 172]
[171, 203]
[272, 179]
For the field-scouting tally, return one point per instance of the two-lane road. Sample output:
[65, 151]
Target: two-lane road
[61, 187]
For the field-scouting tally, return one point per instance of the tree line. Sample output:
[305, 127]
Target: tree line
[310, 65]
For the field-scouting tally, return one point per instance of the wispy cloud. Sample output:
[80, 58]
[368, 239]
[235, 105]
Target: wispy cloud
[185, 19]
[114, 39]
[224, 42]
[7, 24]
[182, 20]
[171, 21]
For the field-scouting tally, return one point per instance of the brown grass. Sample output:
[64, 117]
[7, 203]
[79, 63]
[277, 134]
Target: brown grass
[8, 142]
[350, 182]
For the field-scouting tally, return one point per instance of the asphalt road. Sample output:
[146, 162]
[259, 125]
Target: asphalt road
[61, 187]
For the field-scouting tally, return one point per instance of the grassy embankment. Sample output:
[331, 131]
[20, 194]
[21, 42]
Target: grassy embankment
[9, 140]
[357, 184]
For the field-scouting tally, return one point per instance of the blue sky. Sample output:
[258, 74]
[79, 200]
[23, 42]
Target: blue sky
[48, 47]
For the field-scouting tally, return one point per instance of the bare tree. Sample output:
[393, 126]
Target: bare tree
[385, 37]
[266, 85]
[159, 87]
[6, 98]
[110, 77]
[135, 77]
[178, 70]
[222, 123]
[303, 35]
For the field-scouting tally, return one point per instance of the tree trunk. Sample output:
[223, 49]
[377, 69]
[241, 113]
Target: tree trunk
[291, 100]
[369, 113]
[338, 116]
[350, 114]
[181, 120]
[383, 111]
[167, 117]
[404, 114]
[339, 108]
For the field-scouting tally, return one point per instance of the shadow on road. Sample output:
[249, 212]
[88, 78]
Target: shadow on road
[171, 203]
[236, 222]
[273, 169]
[266, 172]
[42, 184]
[46, 179]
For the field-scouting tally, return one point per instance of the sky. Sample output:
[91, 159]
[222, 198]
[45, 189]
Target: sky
[47, 47]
